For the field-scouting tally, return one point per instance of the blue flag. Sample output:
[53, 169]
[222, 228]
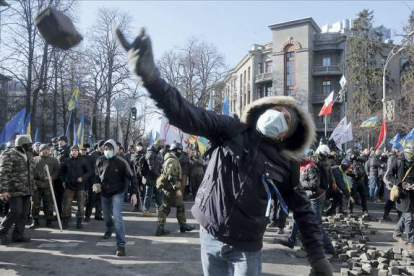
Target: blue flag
[151, 139]
[37, 136]
[396, 141]
[13, 126]
[226, 110]
[210, 103]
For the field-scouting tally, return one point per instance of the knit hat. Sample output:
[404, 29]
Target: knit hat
[44, 147]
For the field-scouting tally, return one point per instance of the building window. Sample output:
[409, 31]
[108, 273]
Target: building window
[290, 70]
[269, 68]
[326, 87]
[326, 61]
[259, 92]
[290, 92]
[268, 92]
[260, 67]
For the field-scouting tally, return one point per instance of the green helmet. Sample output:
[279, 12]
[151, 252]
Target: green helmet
[159, 143]
[378, 152]
[409, 150]
[22, 140]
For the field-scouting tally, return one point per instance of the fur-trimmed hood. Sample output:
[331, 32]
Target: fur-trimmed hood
[292, 148]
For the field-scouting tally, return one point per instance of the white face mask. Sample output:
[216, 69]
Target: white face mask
[109, 154]
[139, 148]
[271, 123]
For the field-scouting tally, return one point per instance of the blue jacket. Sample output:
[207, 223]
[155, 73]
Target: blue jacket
[231, 201]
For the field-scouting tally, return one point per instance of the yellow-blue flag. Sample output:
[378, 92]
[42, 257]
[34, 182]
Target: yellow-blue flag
[75, 97]
[80, 131]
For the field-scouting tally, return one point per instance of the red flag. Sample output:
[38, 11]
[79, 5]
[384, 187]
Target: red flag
[327, 106]
[383, 135]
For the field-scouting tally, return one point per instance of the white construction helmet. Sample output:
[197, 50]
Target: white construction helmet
[323, 150]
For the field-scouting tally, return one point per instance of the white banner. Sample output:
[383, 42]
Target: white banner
[170, 133]
[339, 132]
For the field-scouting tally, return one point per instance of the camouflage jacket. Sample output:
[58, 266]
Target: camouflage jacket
[172, 168]
[16, 174]
[40, 171]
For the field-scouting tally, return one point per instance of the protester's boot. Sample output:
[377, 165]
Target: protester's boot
[120, 251]
[161, 231]
[65, 223]
[186, 228]
[35, 224]
[79, 223]
[49, 223]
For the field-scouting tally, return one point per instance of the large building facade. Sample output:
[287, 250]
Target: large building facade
[303, 61]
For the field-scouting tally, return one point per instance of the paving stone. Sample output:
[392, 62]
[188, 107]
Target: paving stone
[343, 257]
[372, 253]
[393, 263]
[365, 257]
[382, 260]
[405, 253]
[382, 266]
[383, 272]
[366, 269]
[397, 250]
[393, 270]
[397, 256]
[352, 253]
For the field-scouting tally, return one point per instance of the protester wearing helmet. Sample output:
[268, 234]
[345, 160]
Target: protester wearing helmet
[170, 184]
[401, 173]
[334, 195]
[17, 185]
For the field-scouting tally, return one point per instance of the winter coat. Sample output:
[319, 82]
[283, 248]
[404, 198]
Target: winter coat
[196, 165]
[62, 153]
[373, 166]
[391, 158]
[359, 171]
[17, 173]
[311, 180]
[326, 177]
[185, 163]
[154, 165]
[73, 168]
[40, 171]
[232, 200]
[113, 175]
[396, 174]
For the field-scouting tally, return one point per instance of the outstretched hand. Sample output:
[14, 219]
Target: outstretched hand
[140, 57]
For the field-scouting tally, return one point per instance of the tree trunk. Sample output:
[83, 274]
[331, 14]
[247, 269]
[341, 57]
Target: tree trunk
[55, 96]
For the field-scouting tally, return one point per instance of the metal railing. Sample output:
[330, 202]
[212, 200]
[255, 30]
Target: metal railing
[328, 38]
[264, 77]
[332, 69]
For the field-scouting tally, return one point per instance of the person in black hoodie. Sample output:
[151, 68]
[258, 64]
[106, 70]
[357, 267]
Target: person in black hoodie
[249, 159]
[60, 153]
[111, 173]
[74, 174]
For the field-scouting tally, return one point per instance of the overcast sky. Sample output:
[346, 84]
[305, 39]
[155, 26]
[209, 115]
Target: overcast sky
[233, 26]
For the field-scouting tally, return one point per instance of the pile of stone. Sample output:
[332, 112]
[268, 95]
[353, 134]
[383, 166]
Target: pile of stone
[350, 235]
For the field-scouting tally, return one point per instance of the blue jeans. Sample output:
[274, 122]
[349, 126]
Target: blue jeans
[221, 259]
[317, 206]
[149, 190]
[373, 187]
[112, 211]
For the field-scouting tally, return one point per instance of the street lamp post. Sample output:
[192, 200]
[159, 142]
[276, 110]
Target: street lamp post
[384, 88]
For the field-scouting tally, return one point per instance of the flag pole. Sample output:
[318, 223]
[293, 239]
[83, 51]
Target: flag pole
[67, 127]
[326, 126]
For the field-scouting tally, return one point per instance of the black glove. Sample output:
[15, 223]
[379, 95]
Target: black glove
[321, 267]
[140, 57]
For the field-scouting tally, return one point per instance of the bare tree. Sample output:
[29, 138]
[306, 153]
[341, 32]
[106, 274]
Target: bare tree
[112, 71]
[194, 69]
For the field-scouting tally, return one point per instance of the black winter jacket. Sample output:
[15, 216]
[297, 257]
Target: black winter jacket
[113, 175]
[73, 168]
[396, 174]
[231, 201]
[153, 159]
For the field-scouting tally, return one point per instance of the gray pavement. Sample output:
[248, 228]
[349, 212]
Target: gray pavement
[84, 252]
